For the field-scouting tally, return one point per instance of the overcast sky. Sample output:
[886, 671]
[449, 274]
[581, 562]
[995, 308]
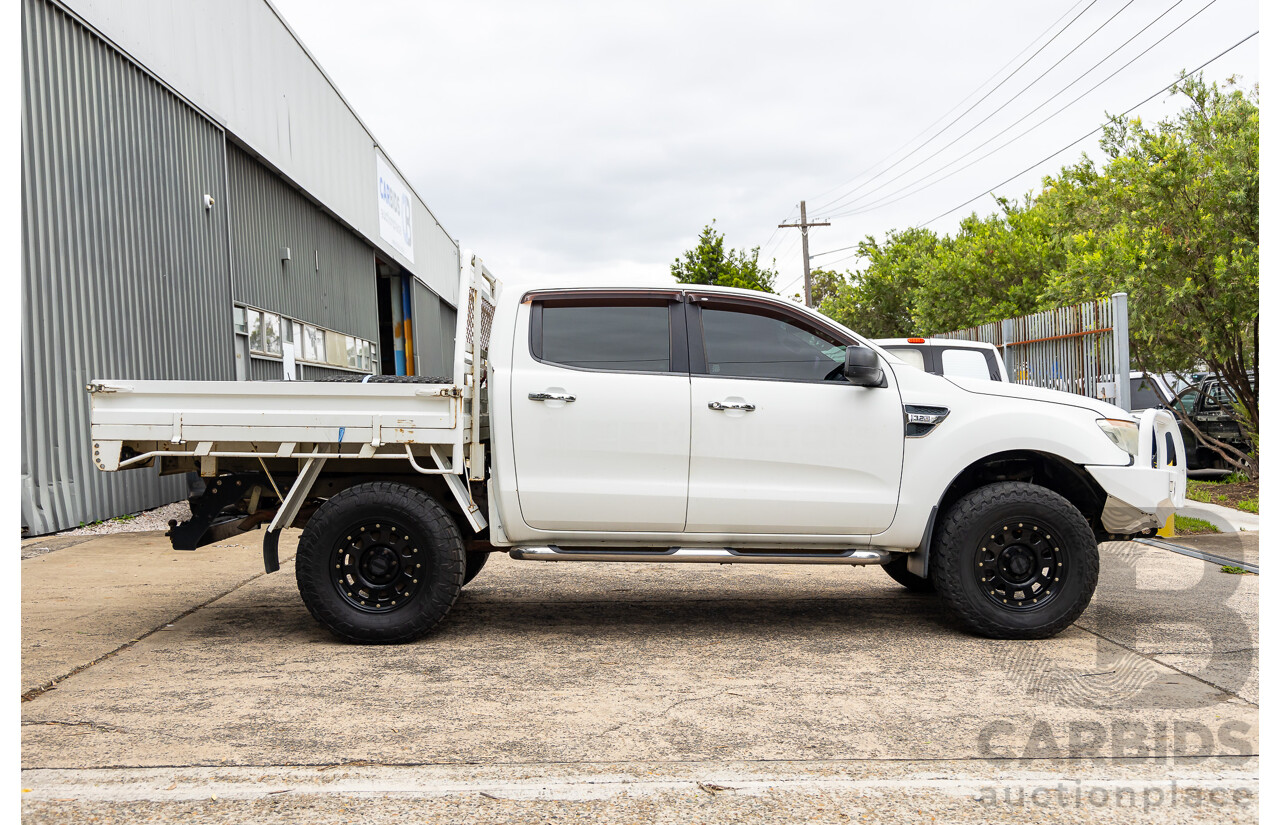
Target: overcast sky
[596, 139]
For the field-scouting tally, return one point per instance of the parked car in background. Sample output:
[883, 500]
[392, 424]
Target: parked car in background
[949, 357]
[1147, 391]
[1210, 404]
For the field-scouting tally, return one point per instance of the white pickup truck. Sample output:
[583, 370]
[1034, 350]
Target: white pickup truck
[678, 424]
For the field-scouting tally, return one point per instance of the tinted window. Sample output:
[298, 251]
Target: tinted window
[910, 355]
[1187, 399]
[1142, 395]
[608, 337]
[747, 345]
[965, 363]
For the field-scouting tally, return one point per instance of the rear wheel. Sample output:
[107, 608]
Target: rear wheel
[380, 563]
[1015, 561]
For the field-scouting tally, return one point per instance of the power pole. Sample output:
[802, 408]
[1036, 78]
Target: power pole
[803, 226]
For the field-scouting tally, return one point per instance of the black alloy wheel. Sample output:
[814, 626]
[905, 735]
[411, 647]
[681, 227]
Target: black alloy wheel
[1020, 565]
[1013, 560]
[380, 563]
[377, 566]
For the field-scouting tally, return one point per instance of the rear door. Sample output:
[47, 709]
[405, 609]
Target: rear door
[600, 412]
[781, 442]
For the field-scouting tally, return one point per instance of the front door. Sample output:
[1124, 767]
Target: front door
[781, 442]
[600, 413]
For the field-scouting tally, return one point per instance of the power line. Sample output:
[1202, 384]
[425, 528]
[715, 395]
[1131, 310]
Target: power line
[830, 251]
[890, 198]
[845, 258]
[1049, 157]
[772, 234]
[942, 116]
[997, 110]
[968, 110]
[795, 239]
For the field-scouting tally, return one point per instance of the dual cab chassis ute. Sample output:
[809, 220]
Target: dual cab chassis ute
[662, 425]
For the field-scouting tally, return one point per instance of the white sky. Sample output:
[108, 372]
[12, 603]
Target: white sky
[594, 140]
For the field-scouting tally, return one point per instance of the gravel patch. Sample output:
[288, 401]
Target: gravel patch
[146, 521]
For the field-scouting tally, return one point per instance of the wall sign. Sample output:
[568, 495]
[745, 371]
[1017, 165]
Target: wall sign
[395, 211]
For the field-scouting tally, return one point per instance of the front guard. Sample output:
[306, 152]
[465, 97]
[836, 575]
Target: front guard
[1154, 485]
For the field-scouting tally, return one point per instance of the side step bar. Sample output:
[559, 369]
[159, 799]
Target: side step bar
[706, 555]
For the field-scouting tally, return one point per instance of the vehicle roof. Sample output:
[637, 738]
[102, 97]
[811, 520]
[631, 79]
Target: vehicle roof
[752, 294]
[933, 342]
[573, 285]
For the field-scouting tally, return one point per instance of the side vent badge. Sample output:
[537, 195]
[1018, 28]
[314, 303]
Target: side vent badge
[922, 420]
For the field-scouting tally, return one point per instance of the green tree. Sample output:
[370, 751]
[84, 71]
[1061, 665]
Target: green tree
[879, 301]
[1170, 217]
[1173, 221]
[709, 263]
[993, 268]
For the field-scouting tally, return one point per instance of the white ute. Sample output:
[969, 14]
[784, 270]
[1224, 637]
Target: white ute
[680, 424]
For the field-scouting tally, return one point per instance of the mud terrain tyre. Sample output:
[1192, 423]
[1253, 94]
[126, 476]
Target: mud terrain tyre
[380, 563]
[1015, 561]
[897, 570]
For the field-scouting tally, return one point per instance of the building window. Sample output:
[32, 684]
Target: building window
[255, 330]
[313, 344]
[271, 333]
[268, 332]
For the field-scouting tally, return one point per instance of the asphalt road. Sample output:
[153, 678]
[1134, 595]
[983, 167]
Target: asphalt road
[189, 686]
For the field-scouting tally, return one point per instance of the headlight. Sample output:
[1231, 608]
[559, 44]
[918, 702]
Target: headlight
[1124, 434]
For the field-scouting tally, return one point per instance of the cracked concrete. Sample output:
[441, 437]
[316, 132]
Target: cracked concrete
[565, 689]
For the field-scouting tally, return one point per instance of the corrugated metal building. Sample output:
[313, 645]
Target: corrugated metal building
[199, 201]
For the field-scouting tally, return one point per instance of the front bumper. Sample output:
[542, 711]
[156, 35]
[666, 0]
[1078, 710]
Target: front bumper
[1148, 491]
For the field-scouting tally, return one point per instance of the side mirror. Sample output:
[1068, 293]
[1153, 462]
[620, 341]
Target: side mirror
[862, 367]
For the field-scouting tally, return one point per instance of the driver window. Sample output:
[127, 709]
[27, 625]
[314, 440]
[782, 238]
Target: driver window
[746, 344]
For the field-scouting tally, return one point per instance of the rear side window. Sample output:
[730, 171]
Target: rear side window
[745, 344]
[910, 355]
[631, 338]
[965, 363]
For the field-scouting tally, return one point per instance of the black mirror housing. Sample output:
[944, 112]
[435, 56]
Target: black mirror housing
[862, 367]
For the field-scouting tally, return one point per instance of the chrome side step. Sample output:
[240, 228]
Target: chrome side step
[706, 555]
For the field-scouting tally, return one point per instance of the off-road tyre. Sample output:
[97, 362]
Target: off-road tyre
[407, 545]
[475, 563]
[997, 543]
[897, 570]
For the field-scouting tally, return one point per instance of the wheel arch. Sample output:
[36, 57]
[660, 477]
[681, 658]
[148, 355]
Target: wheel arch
[1053, 472]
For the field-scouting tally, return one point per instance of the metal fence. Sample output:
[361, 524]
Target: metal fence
[1082, 349]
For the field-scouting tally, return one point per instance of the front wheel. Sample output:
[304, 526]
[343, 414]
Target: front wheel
[380, 563]
[1015, 561]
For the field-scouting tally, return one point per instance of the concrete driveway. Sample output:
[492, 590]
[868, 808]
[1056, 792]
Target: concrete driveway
[189, 686]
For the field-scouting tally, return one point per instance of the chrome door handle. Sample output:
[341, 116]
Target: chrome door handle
[717, 405]
[551, 396]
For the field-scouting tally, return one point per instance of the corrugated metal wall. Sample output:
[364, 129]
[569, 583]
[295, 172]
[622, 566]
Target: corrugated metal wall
[238, 60]
[124, 270]
[264, 369]
[267, 214]
[433, 327]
